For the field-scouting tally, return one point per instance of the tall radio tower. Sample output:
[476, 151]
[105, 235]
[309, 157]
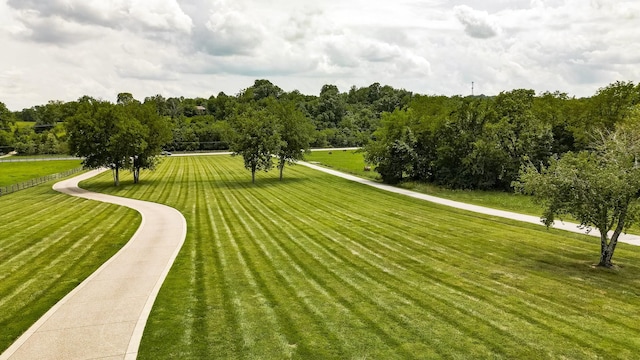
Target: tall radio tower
[472, 88]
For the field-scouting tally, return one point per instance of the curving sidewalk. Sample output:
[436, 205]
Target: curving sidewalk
[105, 315]
[624, 238]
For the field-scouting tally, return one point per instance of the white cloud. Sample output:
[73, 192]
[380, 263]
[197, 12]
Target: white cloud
[71, 21]
[477, 24]
[63, 49]
[230, 32]
[160, 15]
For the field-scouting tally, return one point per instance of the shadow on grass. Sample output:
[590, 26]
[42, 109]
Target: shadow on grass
[583, 267]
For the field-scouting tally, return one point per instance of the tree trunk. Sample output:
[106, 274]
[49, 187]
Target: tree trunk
[605, 253]
[253, 173]
[136, 175]
[606, 250]
[281, 164]
[116, 176]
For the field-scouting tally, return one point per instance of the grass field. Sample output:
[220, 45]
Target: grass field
[352, 162]
[349, 161]
[317, 267]
[41, 157]
[49, 243]
[16, 172]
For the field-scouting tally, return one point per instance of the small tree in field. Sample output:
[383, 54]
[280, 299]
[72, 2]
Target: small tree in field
[600, 188]
[295, 131]
[256, 138]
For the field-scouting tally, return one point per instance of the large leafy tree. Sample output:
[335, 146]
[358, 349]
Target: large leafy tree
[600, 188]
[6, 120]
[154, 133]
[6, 117]
[392, 153]
[90, 134]
[329, 109]
[116, 136]
[256, 138]
[295, 131]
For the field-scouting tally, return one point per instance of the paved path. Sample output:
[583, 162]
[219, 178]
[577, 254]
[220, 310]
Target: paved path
[104, 317]
[625, 238]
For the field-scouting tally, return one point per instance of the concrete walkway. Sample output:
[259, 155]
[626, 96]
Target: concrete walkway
[625, 238]
[104, 317]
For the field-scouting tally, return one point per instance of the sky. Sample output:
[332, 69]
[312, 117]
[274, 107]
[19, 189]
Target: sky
[64, 49]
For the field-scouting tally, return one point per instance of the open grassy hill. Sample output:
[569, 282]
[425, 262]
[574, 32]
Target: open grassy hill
[318, 267]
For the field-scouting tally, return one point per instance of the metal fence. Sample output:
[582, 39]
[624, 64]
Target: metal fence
[4, 190]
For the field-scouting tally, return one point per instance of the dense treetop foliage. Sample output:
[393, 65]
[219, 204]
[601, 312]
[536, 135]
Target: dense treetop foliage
[475, 142]
[482, 142]
[126, 135]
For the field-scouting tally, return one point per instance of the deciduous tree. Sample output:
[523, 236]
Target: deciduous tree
[392, 153]
[256, 138]
[295, 131]
[116, 136]
[600, 188]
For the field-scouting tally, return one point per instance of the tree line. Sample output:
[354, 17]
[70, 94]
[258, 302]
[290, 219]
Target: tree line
[468, 142]
[202, 124]
[479, 142]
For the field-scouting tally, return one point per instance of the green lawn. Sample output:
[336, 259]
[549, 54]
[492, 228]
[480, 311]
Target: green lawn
[352, 162]
[16, 172]
[41, 157]
[49, 243]
[319, 267]
[349, 161]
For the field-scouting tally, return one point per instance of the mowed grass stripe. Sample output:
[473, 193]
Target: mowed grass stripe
[37, 243]
[285, 259]
[49, 243]
[382, 290]
[250, 254]
[229, 307]
[362, 295]
[45, 216]
[38, 257]
[342, 238]
[547, 314]
[456, 284]
[353, 283]
[59, 270]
